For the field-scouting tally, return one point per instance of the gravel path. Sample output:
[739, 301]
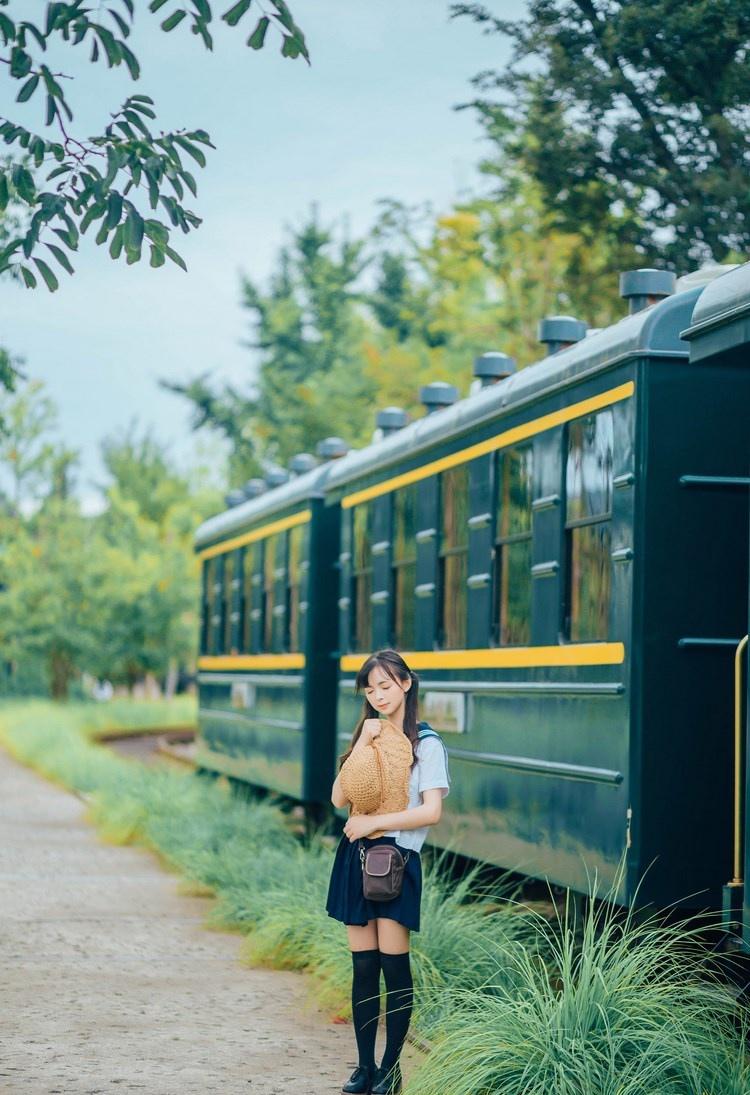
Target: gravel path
[110, 983]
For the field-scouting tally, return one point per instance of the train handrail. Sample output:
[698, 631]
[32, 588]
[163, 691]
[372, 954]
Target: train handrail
[738, 878]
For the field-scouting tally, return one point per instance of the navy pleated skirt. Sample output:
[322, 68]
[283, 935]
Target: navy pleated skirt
[346, 901]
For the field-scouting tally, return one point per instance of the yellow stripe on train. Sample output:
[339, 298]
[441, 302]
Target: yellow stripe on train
[514, 657]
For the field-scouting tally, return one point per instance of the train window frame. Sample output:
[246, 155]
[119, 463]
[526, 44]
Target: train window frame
[360, 637]
[217, 616]
[403, 557]
[293, 621]
[268, 597]
[455, 551]
[228, 596]
[252, 571]
[504, 541]
[207, 606]
[601, 519]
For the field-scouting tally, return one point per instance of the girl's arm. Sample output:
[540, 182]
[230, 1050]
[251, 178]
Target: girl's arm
[338, 798]
[429, 813]
[369, 730]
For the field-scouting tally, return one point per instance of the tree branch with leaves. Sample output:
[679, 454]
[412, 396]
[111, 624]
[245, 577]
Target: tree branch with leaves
[128, 181]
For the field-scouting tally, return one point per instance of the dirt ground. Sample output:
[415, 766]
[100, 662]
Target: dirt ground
[110, 983]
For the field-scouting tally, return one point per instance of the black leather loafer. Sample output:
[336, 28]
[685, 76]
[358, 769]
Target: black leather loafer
[360, 1081]
[387, 1083]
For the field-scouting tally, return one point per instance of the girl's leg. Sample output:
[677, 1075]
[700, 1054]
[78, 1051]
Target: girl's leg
[393, 941]
[363, 943]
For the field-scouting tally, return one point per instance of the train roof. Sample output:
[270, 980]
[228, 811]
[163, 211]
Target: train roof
[659, 331]
[652, 332]
[721, 318]
[300, 489]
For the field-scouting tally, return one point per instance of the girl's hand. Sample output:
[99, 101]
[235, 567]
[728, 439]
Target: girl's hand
[370, 730]
[361, 825]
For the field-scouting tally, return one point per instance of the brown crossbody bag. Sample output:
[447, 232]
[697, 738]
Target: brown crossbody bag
[382, 868]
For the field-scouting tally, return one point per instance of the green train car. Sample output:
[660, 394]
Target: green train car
[266, 671]
[719, 339]
[547, 556]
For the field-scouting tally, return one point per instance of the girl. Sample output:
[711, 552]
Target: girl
[379, 930]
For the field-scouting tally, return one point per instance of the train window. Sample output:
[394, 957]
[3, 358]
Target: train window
[228, 602]
[361, 632]
[217, 606]
[294, 574]
[404, 566]
[251, 577]
[513, 546]
[208, 608]
[454, 544]
[588, 483]
[271, 550]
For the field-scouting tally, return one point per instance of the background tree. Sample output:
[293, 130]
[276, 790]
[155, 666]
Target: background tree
[308, 328]
[113, 595]
[114, 178]
[631, 116]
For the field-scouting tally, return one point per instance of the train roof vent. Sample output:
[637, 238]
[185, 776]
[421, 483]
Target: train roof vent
[493, 366]
[253, 487]
[391, 420]
[437, 395]
[331, 448]
[302, 462]
[234, 497]
[641, 288]
[558, 332]
[276, 477]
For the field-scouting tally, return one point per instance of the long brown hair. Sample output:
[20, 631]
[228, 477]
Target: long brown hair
[391, 662]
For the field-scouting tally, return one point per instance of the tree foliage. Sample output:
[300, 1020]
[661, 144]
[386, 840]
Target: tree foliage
[113, 594]
[307, 329]
[631, 116]
[130, 182]
[345, 327]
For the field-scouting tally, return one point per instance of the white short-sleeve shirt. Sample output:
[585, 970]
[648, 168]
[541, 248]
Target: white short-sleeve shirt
[430, 770]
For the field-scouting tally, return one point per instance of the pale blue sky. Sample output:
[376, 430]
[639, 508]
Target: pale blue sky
[371, 118]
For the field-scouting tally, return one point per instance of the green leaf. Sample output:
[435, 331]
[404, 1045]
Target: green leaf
[114, 209]
[101, 235]
[173, 20]
[112, 47]
[51, 108]
[258, 37]
[190, 183]
[28, 277]
[235, 13]
[4, 196]
[24, 183]
[49, 278]
[156, 4]
[28, 89]
[157, 257]
[156, 232]
[131, 61]
[61, 257]
[191, 150]
[133, 230]
[176, 258]
[115, 247]
[63, 170]
[20, 62]
[290, 47]
[91, 214]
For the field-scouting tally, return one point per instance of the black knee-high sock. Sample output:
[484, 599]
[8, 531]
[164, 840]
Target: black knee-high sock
[399, 998]
[366, 1003]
